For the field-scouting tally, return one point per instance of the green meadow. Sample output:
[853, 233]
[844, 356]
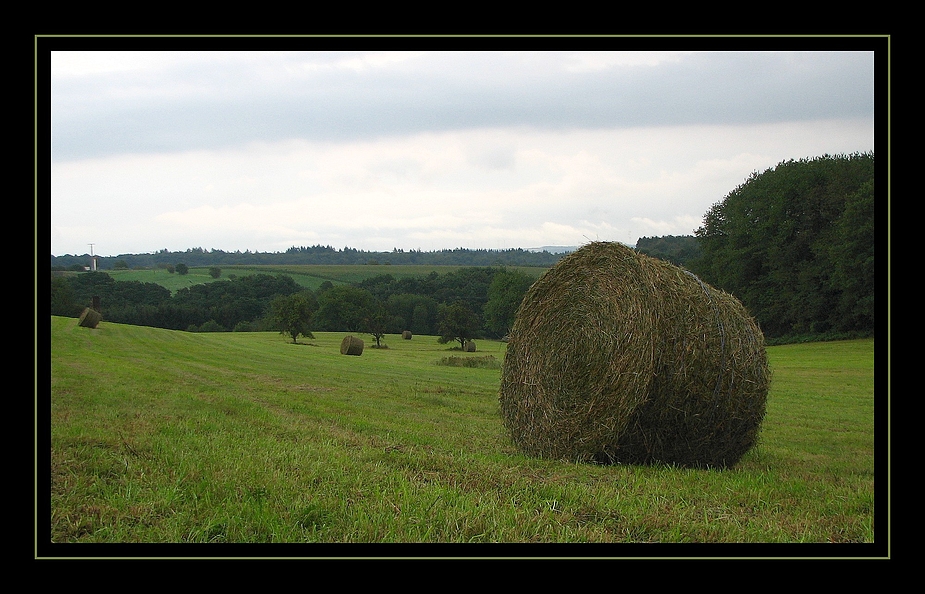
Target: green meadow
[162, 436]
[310, 276]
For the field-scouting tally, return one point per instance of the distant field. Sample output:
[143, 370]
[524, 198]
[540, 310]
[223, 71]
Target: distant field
[308, 276]
[176, 437]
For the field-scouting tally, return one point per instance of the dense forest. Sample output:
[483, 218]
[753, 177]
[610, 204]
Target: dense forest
[794, 243]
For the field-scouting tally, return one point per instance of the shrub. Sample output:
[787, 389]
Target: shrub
[486, 362]
[211, 326]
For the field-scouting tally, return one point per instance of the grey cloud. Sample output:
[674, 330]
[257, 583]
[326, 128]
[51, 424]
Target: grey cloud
[213, 104]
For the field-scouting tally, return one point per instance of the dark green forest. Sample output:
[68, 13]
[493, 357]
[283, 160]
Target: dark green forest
[489, 295]
[794, 243]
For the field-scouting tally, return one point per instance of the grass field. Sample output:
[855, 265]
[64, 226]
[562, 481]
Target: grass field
[171, 437]
[308, 276]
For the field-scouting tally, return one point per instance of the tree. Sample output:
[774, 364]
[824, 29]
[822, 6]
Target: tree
[131, 293]
[506, 291]
[62, 298]
[467, 285]
[211, 326]
[377, 322]
[182, 268]
[422, 318]
[292, 314]
[795, 245]
[852, 253]
[344, 308]
[412, 312]
[215, 271]
[678, 250]
[91, 284]
[457, 322]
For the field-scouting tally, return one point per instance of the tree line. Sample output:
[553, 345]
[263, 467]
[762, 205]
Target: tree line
[469, 303]
[318, 254]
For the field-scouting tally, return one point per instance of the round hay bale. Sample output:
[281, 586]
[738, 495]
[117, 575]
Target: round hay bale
[406, 334]
[351, 345]
[617, 357]
[89, 318]
[469, 346]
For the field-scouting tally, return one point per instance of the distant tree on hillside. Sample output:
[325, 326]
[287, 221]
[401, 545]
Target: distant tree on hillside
[182, 268]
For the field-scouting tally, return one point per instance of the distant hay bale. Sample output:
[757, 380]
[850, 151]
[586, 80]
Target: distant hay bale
[617, 357]
[406, 334]
[469, 346]
[89, 318]
[351, 345]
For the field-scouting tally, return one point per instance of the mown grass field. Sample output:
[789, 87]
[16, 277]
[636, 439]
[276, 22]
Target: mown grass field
[160, 436]
[309, 276]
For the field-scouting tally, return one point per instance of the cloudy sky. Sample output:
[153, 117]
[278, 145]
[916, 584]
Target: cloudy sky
[377, 149]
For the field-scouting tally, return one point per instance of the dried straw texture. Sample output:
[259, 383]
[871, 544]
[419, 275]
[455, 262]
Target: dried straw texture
[469, 346]
[351, 345]
[89, 318]
[618, 357]
[406, 334]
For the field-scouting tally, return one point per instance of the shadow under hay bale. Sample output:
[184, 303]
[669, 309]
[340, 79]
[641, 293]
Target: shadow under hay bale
[89, 318]
[406, 335]
[351, 345]
[617, 357]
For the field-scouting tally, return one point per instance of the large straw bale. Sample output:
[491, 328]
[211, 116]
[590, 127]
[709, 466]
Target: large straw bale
[469, 346]
[617, 357]
[406, 335]
[89, 318]
[351, 345]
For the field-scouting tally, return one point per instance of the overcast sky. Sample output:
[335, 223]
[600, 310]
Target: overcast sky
[376, 150]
